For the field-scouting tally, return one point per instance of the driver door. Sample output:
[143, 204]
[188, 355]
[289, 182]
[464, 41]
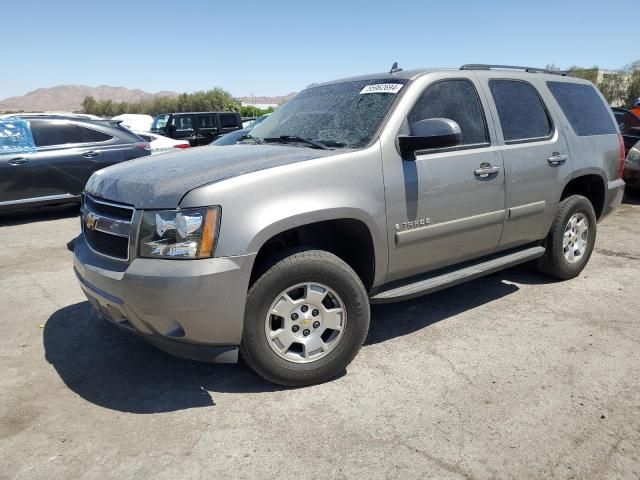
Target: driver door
[444, 206]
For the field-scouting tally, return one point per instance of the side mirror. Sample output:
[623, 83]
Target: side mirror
[430, 133]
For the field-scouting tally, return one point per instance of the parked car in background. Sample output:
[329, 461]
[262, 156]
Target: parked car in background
[198, 128]
[135, 121]
[239, 135]
[629, 124]
[82, 116]
[160, 144]
[631, 173]
[54, 156]
[255, 122]
[377, 188]
[231, 138]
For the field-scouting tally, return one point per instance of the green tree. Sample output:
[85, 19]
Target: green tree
[216, 99]
[614, 88]
[590, 74]
[633, 85]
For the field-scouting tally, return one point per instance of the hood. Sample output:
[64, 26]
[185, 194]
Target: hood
[160, 181]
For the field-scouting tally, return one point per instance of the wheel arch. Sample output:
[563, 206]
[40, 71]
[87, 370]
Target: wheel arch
[345, 233]
[589, 183]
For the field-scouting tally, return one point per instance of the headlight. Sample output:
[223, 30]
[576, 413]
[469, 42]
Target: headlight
[188, 233]
[634, 155]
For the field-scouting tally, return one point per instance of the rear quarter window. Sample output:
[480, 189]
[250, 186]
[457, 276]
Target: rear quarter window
[227, 121]
[583, 107]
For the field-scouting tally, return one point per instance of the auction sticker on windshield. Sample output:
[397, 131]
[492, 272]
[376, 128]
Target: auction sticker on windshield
[382, 88]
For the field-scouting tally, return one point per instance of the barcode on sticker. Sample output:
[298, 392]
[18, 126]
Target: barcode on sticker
[382, 88]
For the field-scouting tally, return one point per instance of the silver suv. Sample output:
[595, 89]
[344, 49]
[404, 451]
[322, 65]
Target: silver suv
[377, 188]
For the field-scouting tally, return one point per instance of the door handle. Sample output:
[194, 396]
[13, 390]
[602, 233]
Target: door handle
[556, 159]
[486, 170]
[18, 161]
[90, 154]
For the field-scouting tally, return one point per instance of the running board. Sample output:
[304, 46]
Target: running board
[450, 278]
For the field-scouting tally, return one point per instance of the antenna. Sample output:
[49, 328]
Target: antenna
[394, 68]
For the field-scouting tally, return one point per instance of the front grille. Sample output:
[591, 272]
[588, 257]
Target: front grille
[108, 209]
[107, 244]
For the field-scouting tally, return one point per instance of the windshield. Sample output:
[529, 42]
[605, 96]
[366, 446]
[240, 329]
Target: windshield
[338, 115]
[160, 122]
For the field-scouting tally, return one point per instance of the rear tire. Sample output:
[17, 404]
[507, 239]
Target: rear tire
[306, 318]
[571, 239]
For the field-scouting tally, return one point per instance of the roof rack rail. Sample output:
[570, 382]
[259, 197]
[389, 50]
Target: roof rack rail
[482, 66]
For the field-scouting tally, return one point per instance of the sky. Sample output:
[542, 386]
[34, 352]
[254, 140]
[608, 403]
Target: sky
[277, 47]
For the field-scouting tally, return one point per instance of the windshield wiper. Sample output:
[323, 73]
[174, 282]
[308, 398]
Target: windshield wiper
[295, 139]
[248, 136]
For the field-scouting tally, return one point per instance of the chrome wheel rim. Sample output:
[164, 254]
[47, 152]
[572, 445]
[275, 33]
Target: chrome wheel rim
[576, 237]
[305, 322]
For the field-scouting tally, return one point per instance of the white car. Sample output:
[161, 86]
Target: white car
[135, 121]
[160, 144]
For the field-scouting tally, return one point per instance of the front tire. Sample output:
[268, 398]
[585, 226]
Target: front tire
[305, 320]
[571, 239]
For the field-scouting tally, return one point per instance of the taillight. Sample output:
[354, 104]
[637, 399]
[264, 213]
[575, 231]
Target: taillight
[182, 145]
[144, 146]
[622, 156]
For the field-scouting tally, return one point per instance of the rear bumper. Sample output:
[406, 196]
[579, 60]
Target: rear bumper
[188, 308]
[612, 197]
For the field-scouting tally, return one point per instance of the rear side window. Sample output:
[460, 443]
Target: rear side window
[205, 121]
[183, 123]
[227, 121]
[522, 114]
[46, 134]
[456, 100]
[95, 135]
[583, 107]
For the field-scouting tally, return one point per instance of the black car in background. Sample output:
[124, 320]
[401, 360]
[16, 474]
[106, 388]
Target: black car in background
[199, 128]
[629, 124]
[60, 154]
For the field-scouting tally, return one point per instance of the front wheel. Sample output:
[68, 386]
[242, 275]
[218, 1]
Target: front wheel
[571, 240]
[306, 318]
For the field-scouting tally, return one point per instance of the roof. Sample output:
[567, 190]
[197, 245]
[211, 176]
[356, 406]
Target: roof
[517, 71]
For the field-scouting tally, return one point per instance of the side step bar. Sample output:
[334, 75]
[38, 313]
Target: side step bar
[450, 278]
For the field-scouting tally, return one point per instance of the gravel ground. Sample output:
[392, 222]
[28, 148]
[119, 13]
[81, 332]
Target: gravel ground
[509, 376]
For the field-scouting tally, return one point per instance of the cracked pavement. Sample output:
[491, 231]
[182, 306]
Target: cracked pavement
[508, 376]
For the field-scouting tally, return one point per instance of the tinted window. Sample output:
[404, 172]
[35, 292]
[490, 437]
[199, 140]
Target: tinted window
[47, 133]
[583, 107]
[521, 111]
[95, 135]
[148, 138]
[456, 100]
[183, 122]
[227, 121]
[205, 121]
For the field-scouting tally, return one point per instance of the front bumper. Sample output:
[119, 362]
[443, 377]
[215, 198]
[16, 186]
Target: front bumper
[189, 308]
[631, 174]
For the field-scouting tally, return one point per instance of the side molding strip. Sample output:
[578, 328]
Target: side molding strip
[407, 237]
[526, 210]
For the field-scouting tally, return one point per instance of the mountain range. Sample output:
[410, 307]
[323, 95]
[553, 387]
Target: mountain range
[69, 98]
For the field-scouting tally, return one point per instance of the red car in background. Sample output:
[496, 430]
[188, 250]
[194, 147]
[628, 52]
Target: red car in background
[629, 124]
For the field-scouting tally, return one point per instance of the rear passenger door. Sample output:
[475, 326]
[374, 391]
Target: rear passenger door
[535, 153]
[67, 156]
[207, 128]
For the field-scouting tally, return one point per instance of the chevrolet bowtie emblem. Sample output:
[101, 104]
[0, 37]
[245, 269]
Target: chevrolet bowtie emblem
[90, 221]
